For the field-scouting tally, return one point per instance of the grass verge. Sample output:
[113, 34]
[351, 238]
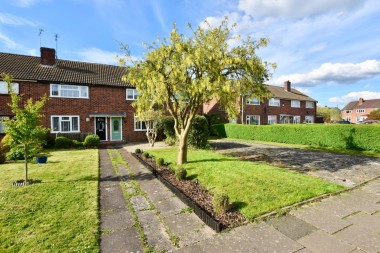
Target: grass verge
[253, 188]
[60, 214]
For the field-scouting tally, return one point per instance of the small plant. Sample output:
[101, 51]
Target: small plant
[221, 203]
[160, 162]
[180, 173]
[63, 142]
[137, 151]
[145, 155]
[91, 141]
[3, 153]
[6, 143]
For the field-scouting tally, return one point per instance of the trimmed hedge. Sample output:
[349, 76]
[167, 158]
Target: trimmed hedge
[362, 137]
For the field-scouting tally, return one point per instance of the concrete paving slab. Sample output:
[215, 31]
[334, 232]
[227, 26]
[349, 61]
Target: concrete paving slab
[121, 241]
[111, 198]
[370, 222]
[363, 201]
[361, 237]
[337, 206]
[320, 218]
[304, 250]
[116, 220]
[183, 223]
[372, 187]
[139, 203]
[321, 242]
[156, 191]
[291, 226]
[170, 206]
[196, 236]
[155, 231]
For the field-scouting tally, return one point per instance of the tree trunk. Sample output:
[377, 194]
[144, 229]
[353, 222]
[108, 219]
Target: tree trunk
[26, 163]
[182, 149]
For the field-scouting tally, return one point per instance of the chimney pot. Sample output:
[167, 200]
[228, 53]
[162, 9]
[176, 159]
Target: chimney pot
[47, 56]
[287, 86]
[361, 101]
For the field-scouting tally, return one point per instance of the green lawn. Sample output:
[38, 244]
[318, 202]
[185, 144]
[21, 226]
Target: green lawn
[60, 214]
[254, 188]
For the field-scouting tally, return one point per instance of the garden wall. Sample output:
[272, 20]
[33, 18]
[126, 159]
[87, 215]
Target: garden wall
[362, 137]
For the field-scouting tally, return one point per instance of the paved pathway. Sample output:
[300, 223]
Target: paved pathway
[349, 222]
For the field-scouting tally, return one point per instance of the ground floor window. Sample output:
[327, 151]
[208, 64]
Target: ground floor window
[347, 119]
[252, 120]
[309, 119]
[139, 125]
[296, 119]
[64, 124]
[2, 125]
[272, 119]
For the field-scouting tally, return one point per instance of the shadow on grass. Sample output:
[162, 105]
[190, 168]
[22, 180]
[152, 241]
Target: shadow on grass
[192, 177]
[213, 160]
[237, 205]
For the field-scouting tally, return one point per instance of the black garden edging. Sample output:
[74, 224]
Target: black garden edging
[198, 210]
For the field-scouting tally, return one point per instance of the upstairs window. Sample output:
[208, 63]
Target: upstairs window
[309, 104]
[253, 101]
[296, 103]
[360, 110]
[68, 91]
[132, 94]
[348, 111]
[65, 124]
[274, 102]
[4, 88]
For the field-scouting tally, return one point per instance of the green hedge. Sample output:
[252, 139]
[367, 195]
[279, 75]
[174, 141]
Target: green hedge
[362, 137]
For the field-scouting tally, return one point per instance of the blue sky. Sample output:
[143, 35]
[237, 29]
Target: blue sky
[329, 49]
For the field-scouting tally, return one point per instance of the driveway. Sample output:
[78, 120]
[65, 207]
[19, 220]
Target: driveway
[347, 170]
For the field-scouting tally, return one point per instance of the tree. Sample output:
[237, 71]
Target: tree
[152, 119]
[25, 130]
[374, 115]
[181, 73]
[329, 114]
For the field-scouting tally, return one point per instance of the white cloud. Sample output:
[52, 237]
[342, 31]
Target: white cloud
[303, 90]
[97, 55]
[295, 9]
[317, 48]
[9, 19]
[354, 96]
[341, 73]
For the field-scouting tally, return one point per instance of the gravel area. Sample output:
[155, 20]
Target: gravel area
[347, 170]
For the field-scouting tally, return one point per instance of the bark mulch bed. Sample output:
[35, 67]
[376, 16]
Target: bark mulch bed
[198, 194]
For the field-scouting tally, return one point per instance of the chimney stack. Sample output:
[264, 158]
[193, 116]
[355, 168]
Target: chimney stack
[361, 101]
[287, 86]
[47, 56]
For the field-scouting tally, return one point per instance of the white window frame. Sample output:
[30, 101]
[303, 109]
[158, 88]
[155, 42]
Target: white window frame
[309, 119]
[272, 119]
[274, 102]
[132, 96]
[360, 110]
[248, 119]
[61, 88]
[309, 104]
[253, 101]
[295, 103]
[2, 126]
[4, 88]
[60, 123]
[139, 122]
[298, 121]
[347, 119]
[348, 111]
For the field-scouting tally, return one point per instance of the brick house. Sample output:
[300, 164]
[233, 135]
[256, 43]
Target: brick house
[357, 111]
[286, 106]
[83, 97]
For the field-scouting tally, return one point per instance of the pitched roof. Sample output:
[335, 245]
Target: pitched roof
[373, 103]
[25, 67]
[280, 92]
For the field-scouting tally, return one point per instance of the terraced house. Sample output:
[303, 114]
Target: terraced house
[358, 111]
[83, 97]
[286, 106]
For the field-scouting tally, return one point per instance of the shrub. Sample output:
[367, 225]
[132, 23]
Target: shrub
[221, 203]
[77, 144]
[6, 143]
[180, 173]
[212, 120]
[3, 153]
[63, 142]
[16, 154]
[145, 155]
[199, 133]
[361, 137]
[91, 141]
[167, 124]
[160, 162]
[137, 151]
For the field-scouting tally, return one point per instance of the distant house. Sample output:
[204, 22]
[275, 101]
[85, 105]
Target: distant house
[286, 106]
[357, 111]
[83, 97]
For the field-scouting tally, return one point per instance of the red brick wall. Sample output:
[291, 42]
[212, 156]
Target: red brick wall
[103, 99]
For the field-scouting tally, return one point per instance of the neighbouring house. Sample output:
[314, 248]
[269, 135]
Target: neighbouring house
[83, 97]
[358, 111]
[286, 106]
